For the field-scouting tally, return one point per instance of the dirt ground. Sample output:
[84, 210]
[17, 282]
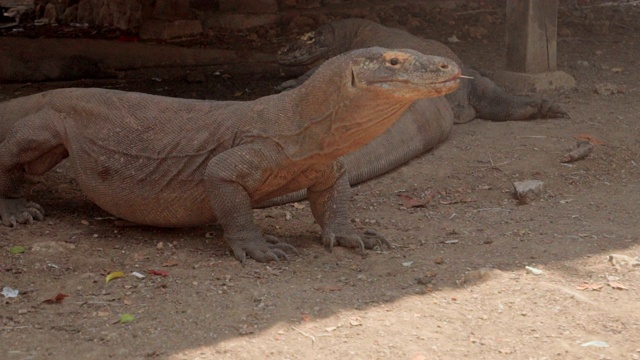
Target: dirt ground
[455, 286]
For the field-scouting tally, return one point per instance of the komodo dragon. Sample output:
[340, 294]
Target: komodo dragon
[171, 162]
[427, 122]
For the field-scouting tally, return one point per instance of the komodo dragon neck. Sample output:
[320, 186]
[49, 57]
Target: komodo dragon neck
[363, 115]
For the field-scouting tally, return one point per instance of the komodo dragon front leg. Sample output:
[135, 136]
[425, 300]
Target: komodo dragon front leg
[328, 199]
[233, 183]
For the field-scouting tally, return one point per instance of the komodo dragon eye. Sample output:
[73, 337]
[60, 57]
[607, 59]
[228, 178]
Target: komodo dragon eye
[394, 61]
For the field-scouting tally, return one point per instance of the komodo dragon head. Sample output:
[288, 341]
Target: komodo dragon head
[311, 47]
[402, 73]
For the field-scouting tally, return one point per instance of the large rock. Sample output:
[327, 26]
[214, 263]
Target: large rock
[169, 29]
[123, 14]
[250, 6]
[172, 10]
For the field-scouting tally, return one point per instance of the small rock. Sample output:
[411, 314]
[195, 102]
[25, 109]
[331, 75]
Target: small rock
[583, 63]
[481, 274]
[605, 89]
[623, 260]
[528, 190]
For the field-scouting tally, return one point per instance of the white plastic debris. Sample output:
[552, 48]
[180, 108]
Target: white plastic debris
[9, 292]
[533, 270]
[596, 343]
[138, 275]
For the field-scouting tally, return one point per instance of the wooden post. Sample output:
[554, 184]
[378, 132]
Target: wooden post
[532, 35]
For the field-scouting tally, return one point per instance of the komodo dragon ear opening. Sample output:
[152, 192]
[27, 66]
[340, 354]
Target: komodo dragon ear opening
[353, 78]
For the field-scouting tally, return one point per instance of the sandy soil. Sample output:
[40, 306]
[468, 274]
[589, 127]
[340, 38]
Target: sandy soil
[455, 286]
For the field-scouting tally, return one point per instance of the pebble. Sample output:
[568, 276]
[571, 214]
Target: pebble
[528, 190]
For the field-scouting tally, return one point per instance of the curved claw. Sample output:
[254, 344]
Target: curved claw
[378, 238]
[260, 249]
[19, 211]
[551, 110]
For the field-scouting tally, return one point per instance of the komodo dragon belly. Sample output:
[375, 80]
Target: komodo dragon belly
[165, 193]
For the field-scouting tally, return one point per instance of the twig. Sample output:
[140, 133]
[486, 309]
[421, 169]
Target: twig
[475, 11]
[15, 327]
[313, 339]
[492, 165]
[582, 151]
[610, 4]
[492, 209]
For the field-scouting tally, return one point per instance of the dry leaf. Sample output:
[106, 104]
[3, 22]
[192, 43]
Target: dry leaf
[170, 263]
[592, 287]
[409, 201]
[158, 272]
[56, 299]
[114, 275]
[617, 285]
[590, 138]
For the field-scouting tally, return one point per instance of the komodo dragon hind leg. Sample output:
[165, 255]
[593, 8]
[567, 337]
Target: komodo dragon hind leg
[33, 146]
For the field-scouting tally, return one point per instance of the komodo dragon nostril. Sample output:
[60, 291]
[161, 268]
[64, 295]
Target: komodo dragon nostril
[444, 66]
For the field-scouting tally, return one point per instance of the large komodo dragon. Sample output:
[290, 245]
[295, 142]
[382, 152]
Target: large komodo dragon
[427, 122]
[172, 162]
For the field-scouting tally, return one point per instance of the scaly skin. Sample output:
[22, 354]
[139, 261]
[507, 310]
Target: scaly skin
[171, 162]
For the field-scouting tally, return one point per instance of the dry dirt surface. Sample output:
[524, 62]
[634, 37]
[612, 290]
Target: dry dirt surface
[462, 281]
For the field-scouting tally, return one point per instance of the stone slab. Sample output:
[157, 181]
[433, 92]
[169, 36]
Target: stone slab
[238, 21]
[250, 6]
[169, 29]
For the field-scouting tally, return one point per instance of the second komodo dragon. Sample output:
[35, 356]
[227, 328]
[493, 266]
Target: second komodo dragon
[172, 162]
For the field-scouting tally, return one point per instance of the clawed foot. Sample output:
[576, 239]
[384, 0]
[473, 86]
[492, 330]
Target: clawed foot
[552, 110]
[19, 211]
[261, 249]
[370, 240]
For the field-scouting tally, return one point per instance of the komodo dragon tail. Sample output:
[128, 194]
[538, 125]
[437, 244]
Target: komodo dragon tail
[491, 102]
